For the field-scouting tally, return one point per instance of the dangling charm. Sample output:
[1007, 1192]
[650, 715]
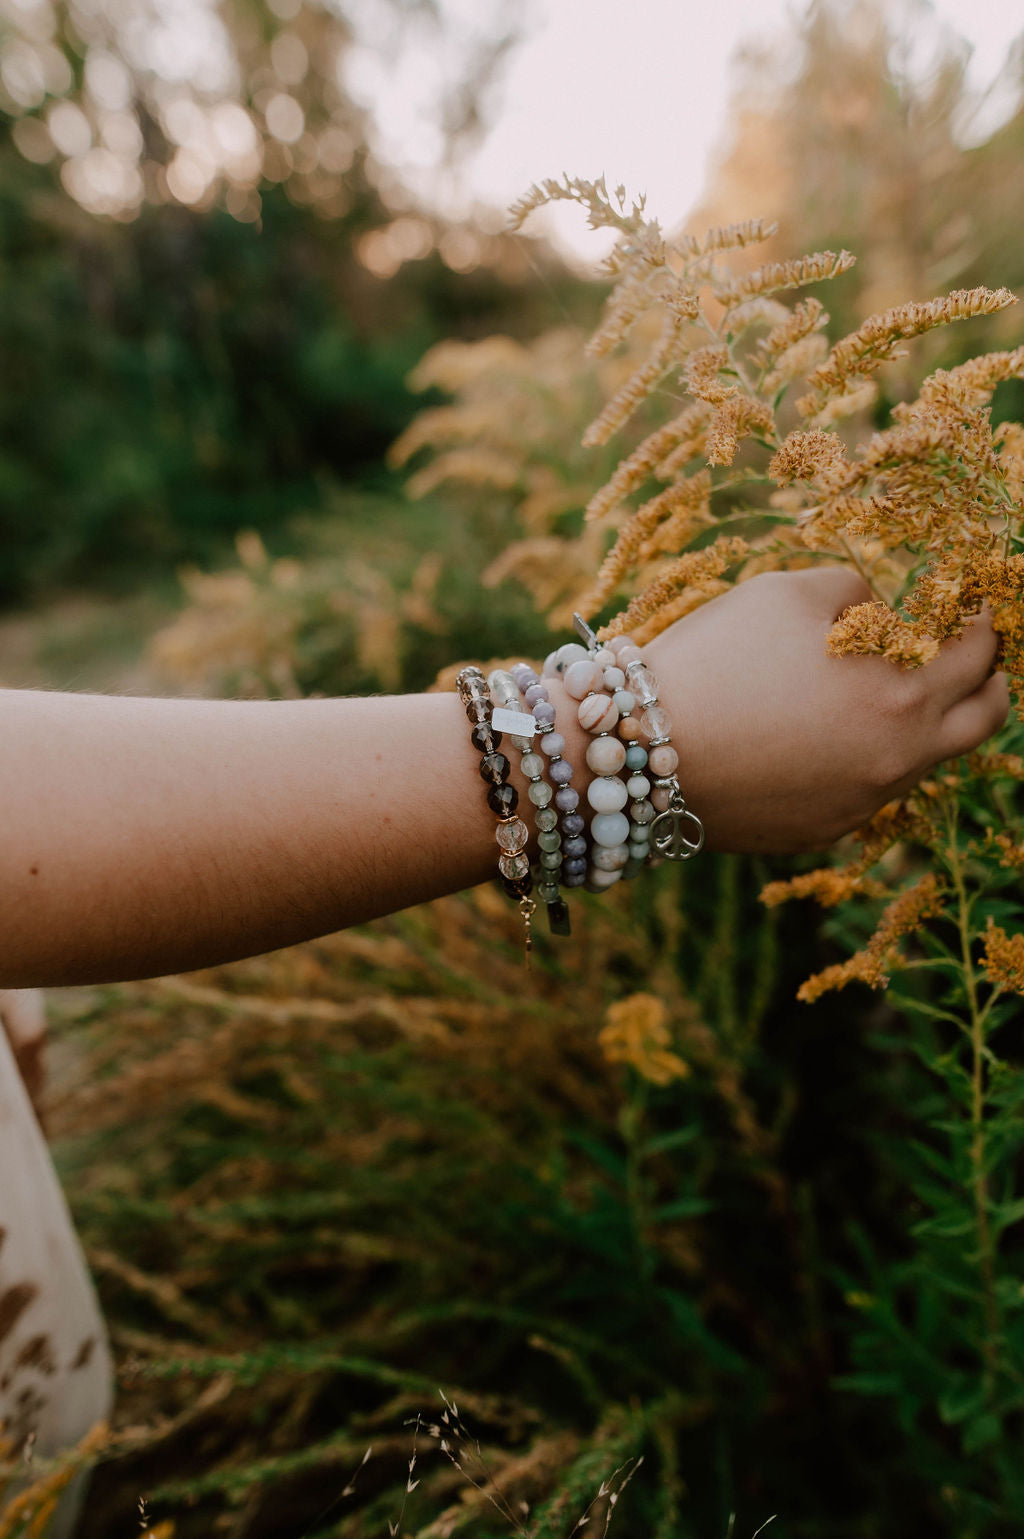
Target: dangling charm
[669, 829]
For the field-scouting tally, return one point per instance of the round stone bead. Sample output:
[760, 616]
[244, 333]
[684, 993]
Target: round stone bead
[637, 786]
[614, 678]
[479, 710]
[609, 828]
[601, 879]
[567, 799]
[642, 812]
[546, 819]
[476, 687]
[636, 757]
[580, 678]
[484, 738]
[575, 847]
[572, 825]
[575, 865]
[606, 794]
[606, 755]
[642, 683]
[573, 878]
[547, 892]
[513, 836]
[552, 743]
[638, 851]
[604, 657]
[495, 768]
[514, 866]
[598, 714]
[629, 730]
[550, 839]
[664, 760]
[551, 859]
[539, 792]
[628, 654]
[503, 800]
[618, 642]
[520, 888]
[611, 857]
[544, 713]
[532, 765]
[655, 722]
[568, 654]
[560, 771]
[550, 665]
[535, 693]
[660, 798]
[624, 701]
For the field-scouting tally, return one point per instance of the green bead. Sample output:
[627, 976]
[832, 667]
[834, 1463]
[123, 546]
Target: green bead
[550, 840]
[547, 818]
[551, 859]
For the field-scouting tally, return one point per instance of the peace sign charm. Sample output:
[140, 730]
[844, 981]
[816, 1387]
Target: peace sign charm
[668, 834]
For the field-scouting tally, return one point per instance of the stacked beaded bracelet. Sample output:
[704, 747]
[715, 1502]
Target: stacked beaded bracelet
[567, 800]
[511, 834]
[505, 692]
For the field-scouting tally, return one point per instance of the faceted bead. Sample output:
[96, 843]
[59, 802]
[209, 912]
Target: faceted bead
[628, 654]
[611, 858]
[574, 847]
[641, 682]
[558, 918]
[572, 825]
[609, 828]
[550, 839]
[551, 859]
[573, 878]
[576, 865]
[618, 642]
[598, 714]
[614, 678]
[479, 710]
[547, 892]
[524, 744]
[552, 743]
[598, 880]
[520, 888]
[546, 819]
[534, 694]
[642, 812]
[636, 757]
[637, 786]
[568, 654]
[484, 738]
[539, 793]
[655, 722]
[624, 700]
[629, 729]
[515, 867]
[664, 759]
[580, 678]
[495, 768]
[543, 713]
[503, 799]
[476, 688]
[606, 755]
[606, 794]
[512, 836]
[567, 799]
[560, 771]
[532, 765]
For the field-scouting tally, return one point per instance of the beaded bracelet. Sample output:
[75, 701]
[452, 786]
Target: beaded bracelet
[598, 713]
[512, 834]
[573, 863]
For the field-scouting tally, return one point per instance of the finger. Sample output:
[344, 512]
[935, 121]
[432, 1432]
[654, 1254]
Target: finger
[23, 1015]
[831, 589]
[963, 663]
[971, 721]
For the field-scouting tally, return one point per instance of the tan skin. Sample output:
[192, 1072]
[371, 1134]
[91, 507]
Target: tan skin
[142, 837]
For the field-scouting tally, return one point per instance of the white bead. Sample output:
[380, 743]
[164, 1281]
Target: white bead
[609, 828]
[638, 785]
[605, 658]
[598, 879]
[610, 857]
[614, 679]
[607, 794]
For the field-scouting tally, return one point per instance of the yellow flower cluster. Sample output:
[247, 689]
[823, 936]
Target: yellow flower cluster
[1004, 959]
[881, 956]
[637, 1033]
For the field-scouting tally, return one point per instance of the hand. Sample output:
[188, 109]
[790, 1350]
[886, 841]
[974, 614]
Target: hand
[783, 748]
[23, 1021]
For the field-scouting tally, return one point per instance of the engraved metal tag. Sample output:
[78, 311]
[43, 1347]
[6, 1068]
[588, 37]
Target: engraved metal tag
[519, 723]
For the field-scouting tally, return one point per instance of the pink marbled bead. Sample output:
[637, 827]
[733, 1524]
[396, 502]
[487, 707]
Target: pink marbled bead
[660, 797]
[629, 729]
[630, 654]
[618, 642]
[597, 714]
[606, 755]
[663, 760]
[581, 677]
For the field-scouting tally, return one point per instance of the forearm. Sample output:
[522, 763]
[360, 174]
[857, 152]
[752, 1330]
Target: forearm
[147, 836]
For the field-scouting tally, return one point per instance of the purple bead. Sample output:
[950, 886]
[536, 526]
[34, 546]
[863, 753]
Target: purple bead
[535, 693]
[572, 848]
[566, 799]
[553, 744]
[573, 823]
[574, 867]
[523, 675]
[560, 773]
[543, 713]
[575, 880]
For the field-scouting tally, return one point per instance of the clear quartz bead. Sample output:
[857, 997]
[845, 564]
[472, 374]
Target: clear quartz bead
[655, 722]
[641, 682]
[514, 866]
[512, 836]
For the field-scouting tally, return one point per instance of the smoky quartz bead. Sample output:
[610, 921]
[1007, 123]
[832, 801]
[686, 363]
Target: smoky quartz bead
[479, 710]
[484, 738]
[495, 768]
[503, 800]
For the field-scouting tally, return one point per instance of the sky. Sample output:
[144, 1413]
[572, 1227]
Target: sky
[635, 89]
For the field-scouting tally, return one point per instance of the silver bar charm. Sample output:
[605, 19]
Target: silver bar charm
[518, 723]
